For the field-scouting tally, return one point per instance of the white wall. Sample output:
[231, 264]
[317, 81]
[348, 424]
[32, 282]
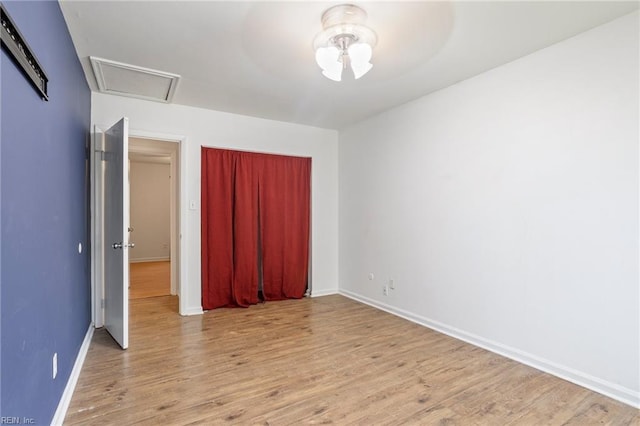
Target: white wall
[505, 208]
[208, 128]
[150, 189]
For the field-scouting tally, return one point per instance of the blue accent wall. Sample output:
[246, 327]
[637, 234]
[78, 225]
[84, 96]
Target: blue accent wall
[44, 281]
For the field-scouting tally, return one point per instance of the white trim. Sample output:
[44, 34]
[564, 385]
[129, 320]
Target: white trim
[63, 404]
[191, 311]
[174, 217]
[165, 137]
[327, 292]
[150, 259]
[98, 65]
[97, 192]
[178, 253]
[183, 303]
[181, 243]
[612, 390]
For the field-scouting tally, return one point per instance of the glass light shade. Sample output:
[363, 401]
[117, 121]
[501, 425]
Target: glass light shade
[334, 74]
[328, 59]
[360, 52]
[327, 56]
[360, 57]
[360, 70]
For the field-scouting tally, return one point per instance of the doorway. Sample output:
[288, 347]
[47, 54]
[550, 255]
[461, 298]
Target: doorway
[111, 244]
[153, 167]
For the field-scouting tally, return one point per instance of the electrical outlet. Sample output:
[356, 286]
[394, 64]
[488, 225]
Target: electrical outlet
[55, 364]
[385, 290]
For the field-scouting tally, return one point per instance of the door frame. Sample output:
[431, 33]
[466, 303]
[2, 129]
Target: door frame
[97, 217]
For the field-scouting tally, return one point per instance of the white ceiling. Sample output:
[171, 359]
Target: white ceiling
[256, 58]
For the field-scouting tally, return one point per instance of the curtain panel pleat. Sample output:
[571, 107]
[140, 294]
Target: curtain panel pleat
[284, 219]
[245, 233]
[250, 199]
[218, 172]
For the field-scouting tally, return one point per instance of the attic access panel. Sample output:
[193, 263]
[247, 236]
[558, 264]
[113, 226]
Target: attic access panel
[118, 78]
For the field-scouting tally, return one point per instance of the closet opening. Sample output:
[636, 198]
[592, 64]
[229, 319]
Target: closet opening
[255, 227]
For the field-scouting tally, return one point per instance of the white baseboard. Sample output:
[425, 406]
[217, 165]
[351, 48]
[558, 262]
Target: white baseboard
[63, 405]
[320, 293]
[192, 311]
[612, 390]
[149, 259]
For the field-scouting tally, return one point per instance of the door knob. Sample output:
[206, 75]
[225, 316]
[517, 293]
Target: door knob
[122, 246]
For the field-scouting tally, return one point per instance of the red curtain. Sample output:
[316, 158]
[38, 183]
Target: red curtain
[284, 225]
[218, 171]
[245, 233]
[246, 196]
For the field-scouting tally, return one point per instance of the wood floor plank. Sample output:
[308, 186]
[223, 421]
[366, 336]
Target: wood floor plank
[149, 279]
[326, 360]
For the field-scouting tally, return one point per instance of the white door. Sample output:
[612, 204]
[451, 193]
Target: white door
[116, 235]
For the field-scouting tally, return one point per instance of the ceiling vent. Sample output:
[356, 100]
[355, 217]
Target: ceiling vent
[117, 78]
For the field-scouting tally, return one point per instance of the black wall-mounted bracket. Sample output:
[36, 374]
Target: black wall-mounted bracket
[15, 45]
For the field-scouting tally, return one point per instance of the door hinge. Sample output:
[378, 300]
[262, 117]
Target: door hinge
[103, 156]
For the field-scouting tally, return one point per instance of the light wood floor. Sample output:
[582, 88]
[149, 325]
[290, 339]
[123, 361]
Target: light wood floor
[327, 360]
[149, 279]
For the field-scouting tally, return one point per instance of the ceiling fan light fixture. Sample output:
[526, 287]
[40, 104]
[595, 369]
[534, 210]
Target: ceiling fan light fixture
[344, 41]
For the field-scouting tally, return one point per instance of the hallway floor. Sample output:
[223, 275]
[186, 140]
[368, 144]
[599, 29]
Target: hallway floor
[149, 279]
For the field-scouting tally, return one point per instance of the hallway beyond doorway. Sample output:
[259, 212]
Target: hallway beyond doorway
[149, 279]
